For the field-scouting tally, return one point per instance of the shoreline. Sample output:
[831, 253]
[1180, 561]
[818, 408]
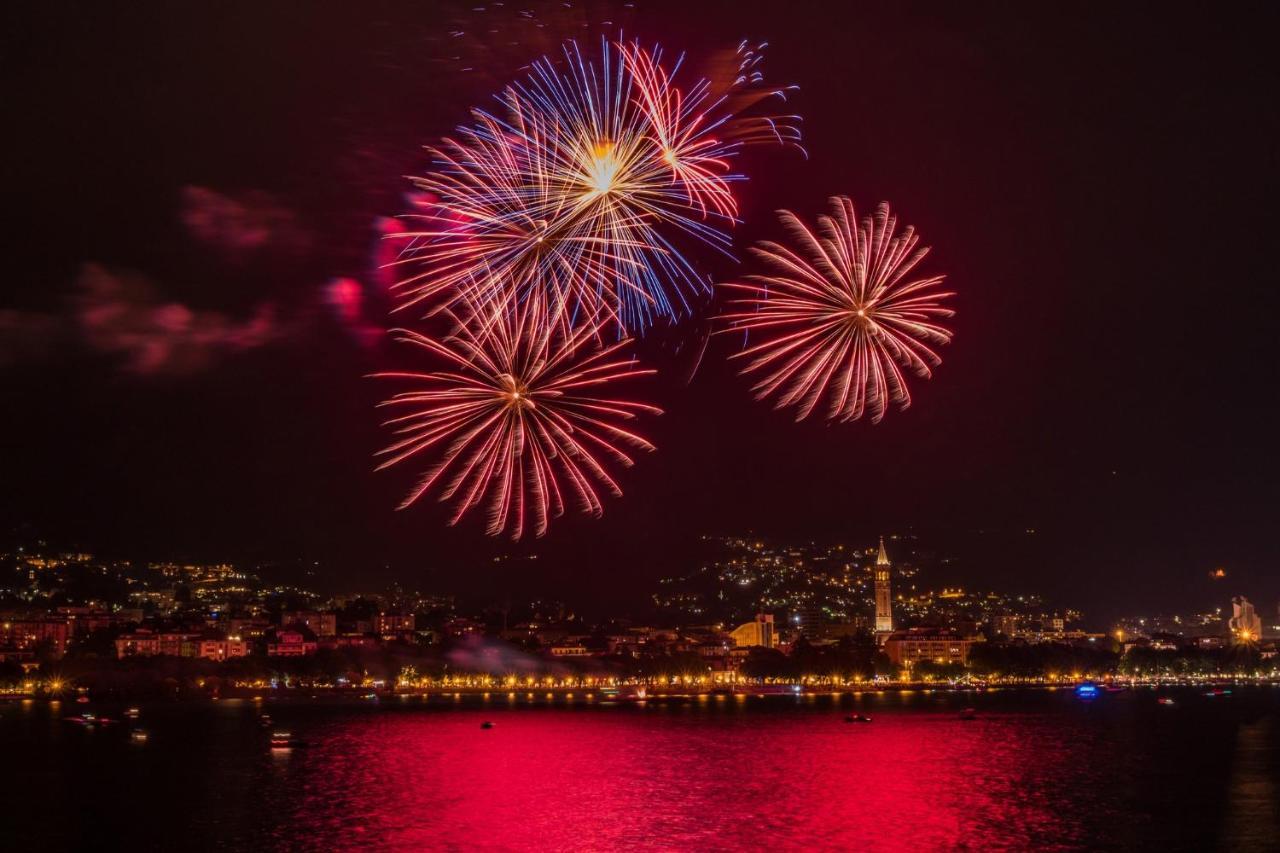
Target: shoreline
[627, 694]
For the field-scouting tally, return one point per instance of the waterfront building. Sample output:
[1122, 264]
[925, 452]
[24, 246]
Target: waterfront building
[757, 633]
[146, 643]
[937, 645]
[884, 602]
[222, 649]
[288, 643]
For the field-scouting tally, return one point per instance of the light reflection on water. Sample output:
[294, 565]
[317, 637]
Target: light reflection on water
[1035, 770]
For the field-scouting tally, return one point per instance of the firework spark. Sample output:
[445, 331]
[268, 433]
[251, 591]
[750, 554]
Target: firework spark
[842, 316]
[512, 418]
[582, 190]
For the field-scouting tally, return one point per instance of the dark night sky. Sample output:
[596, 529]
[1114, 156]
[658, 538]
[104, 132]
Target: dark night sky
[1097, 182]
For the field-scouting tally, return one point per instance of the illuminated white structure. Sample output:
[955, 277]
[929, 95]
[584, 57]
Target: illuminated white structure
[884, 603]
[1244, 623]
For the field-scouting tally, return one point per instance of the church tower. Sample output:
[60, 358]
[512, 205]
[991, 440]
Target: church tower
[884, 604]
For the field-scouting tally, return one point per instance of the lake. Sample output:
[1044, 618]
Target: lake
[1036, 769]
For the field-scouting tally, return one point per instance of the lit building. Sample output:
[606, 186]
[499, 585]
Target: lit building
[884, 604]
[936, 645]
[145, 643]
[28, 634]
[219, 649]
[757, 633]
[291, 644]
[394, 623]
[138, 644]
[320, 624]
[1245, 623]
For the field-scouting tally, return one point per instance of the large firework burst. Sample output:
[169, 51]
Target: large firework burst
[842, 316]
[584, 187]
[513, 419]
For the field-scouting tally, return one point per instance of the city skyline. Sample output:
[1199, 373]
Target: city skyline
[803, 584]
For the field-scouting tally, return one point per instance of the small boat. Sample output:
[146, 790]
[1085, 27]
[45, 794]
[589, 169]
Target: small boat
[487, 724]
[281, 739]
[857, 718]
[1165, 700]
[132, 713]
[969, 714]
[83, 700]
[264, 720]
[1087, 690]
[139, 735]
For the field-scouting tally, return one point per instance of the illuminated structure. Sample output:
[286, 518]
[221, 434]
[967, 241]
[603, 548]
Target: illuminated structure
[320, 624]
[1245, 624]
[935, 645]
[884, 604]
[757, 633]
[291, 644]
[394, 623]
[222, 649]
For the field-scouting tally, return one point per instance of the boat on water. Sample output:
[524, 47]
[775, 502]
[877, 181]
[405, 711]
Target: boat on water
[132, 713]
[1087, 690]
[282, 739]
[857, 718]
[969, 714]
[1165, 700]
[139, 735]
[487, 724]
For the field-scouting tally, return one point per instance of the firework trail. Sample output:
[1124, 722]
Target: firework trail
[512, 419]
[842, 316]
[583, 189]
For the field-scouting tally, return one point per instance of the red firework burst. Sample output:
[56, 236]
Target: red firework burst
[842, 315]
[512, 418]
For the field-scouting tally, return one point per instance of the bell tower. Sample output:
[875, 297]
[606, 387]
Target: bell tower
[884, 603]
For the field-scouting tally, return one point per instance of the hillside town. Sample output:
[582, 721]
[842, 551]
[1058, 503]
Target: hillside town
[756, 612]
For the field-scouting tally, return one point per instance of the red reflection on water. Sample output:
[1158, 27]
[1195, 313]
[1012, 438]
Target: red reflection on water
[672, 777]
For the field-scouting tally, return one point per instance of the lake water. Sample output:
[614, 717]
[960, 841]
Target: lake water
[1036, 770]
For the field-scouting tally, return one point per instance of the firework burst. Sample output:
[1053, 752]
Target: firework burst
[842, 316]
[512, 419]
[583, 188]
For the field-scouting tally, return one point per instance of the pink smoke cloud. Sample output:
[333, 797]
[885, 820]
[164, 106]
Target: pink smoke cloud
[346, 298]
[121, 314]
[238, 224]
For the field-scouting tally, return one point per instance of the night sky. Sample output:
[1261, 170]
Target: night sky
[1098, 184]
